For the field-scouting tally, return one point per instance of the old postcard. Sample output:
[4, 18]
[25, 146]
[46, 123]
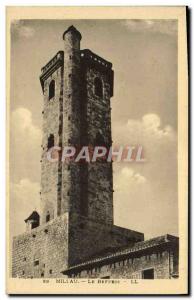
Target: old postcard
[97, 195]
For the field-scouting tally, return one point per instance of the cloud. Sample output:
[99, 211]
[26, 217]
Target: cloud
[159, 144]
[25, 143]
[25, 198]
[151, 124]
[168, 27]
[25, 133]
[22, 121]
[126, 177]
[144, 131]
[19, 28]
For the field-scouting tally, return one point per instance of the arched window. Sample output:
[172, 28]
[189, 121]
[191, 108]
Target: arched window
[47, 216]
[98, 89]
[51, 89]
[51, 141]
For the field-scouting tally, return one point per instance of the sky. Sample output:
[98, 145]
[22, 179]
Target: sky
[144, 112]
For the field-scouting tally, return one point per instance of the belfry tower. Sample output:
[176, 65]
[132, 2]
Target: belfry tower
[77, 87]
[76, 218]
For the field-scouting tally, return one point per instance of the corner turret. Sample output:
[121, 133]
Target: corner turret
[73, 31]
[32, 221]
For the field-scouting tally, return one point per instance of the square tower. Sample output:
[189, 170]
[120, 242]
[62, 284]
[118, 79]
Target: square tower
[77, 87]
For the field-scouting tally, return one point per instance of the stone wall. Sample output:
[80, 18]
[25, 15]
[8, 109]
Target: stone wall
[90, 239]
[43, 251]
[50, 248]
[130, 267]
[50, 171]
[96, 131]
[156, 258]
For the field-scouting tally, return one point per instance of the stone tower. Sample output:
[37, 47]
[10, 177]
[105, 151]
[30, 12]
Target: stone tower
[76, 218]
[76, 113]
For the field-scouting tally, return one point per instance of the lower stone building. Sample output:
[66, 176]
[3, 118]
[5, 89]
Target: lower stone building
[156, 258]
[73, 246]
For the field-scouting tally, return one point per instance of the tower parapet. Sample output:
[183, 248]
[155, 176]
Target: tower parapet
[95, 61]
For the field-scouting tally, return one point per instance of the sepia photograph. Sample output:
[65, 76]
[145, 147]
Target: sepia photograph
[97, 151]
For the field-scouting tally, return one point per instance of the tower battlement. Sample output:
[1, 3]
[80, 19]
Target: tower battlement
[51, 66]
[90, 56]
